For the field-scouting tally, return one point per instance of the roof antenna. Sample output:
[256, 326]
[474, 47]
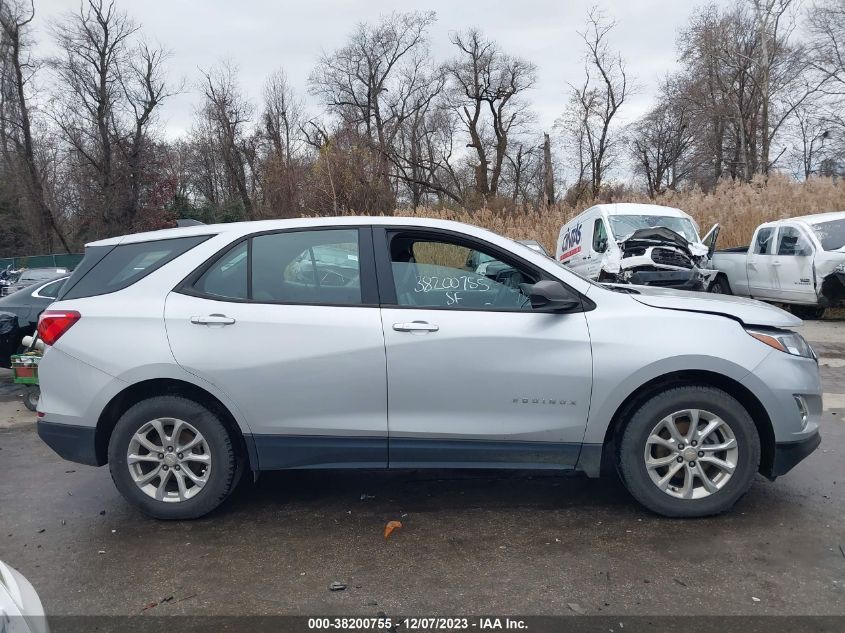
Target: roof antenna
[183, 222]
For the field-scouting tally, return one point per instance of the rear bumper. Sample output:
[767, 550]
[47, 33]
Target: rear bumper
[788, 454]
[73, 443]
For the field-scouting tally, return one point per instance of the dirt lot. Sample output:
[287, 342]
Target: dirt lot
[471, 542]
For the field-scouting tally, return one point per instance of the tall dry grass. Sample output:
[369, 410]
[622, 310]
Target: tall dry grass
[738, 207]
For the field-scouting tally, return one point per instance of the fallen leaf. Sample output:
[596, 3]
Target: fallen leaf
[391, 525]
[576, 608]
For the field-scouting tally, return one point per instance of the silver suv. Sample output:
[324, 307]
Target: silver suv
[185, 357]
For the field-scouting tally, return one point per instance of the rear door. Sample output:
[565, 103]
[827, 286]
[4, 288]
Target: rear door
[287, 324]
[759, 264]
[792, 265]
[476, 377]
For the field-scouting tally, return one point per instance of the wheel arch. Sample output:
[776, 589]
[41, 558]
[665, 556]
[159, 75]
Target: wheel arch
[142, 390]
[644, 392]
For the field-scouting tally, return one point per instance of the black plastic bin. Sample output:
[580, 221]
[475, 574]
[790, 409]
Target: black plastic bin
[10, 337]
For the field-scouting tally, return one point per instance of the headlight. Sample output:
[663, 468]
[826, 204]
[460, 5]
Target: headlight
[784, 341]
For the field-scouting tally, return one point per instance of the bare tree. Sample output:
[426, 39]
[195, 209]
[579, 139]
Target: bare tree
[373, 82]
[660, 143]
[224, 118]
[15, 20]
[595, 102]
[486, 87]
[109, 87]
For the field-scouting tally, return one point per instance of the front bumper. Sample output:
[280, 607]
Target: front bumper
[679, 279]
[788, 454]
[71, 442]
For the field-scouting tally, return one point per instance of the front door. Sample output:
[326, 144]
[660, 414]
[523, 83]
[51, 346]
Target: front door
[476, 377]
[287, 325]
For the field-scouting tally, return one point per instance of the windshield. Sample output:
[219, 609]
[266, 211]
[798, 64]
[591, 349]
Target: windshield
[830, 234]
[623, 225]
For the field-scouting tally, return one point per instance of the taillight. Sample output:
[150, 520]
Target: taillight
[53, 323]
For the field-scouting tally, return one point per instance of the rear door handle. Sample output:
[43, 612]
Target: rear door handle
[415, 326]
[212, 319]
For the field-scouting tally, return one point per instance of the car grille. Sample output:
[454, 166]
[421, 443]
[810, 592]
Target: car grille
[667, 257]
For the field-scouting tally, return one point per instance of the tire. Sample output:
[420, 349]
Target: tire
[31, 396]
[807, 313]
[181, 496]
[720, 286]
[730, 487]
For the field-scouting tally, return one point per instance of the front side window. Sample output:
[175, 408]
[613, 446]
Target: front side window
[437, 273]
[763, 241]
[792, 242]
[311, 267]
[599, 236]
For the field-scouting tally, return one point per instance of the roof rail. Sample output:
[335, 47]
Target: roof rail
[183, 222]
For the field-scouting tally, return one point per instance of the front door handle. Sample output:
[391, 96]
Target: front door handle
[415, 326]
[212, 319]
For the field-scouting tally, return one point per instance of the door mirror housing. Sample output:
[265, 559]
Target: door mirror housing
[553, 296]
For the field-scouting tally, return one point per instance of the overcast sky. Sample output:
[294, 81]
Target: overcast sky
[262, 35]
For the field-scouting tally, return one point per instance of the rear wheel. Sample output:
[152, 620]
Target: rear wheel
[172, 458]
[808, 313]
[690, 451]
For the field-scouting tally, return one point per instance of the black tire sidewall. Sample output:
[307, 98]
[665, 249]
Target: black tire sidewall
[632, 448]
[223, 459]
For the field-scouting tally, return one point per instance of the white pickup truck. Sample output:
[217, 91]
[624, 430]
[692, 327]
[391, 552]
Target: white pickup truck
[799, 261]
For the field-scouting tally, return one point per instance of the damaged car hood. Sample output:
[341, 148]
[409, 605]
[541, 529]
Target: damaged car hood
[749, 311]
[658, 235]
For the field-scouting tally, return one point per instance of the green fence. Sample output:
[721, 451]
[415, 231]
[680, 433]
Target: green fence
[57, 260]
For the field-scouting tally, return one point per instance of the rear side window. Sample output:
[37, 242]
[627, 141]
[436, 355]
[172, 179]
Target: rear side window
[51, 291]
[316, 267]
[311, 267]
[124, 265]
[227, 277]
[763, 241]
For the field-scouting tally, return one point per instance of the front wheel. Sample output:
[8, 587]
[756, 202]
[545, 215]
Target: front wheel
[688, 452]
[31, 396]
[172, 458]
[720, 286]
[808, 313]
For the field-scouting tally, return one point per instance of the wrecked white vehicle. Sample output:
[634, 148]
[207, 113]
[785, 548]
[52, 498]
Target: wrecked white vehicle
[644, 244]
[799, 262]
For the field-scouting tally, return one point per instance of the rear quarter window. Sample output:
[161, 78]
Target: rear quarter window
[123, 265]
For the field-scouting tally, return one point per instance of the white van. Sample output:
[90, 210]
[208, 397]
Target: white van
[645, 244]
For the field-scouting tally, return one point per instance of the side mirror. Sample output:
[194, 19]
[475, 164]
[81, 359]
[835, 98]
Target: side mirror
[803, 251]
[552, 296]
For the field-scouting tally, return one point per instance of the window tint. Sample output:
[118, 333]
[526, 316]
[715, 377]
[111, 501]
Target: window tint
[599, 236]
[763, 241]
[438, 273]
[313, 267]
[791, 242]
[51, 291]
[227, 277]
[125, 264]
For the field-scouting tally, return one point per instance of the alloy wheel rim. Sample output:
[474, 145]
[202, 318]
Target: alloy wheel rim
[691, 454]
[169, 460]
